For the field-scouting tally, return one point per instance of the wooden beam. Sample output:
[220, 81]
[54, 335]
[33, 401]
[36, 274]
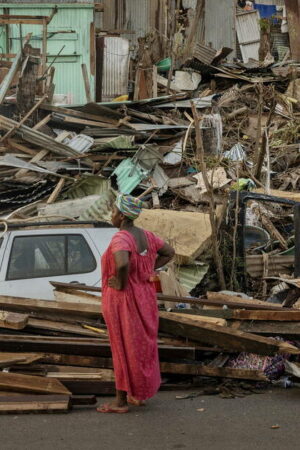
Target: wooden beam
[56, 191]
[80, 114]
[17, 404]
[215, 298]
[15, 127]
[86, 83]
[28, 304]
[223, 372]
[26, 383]
[241, 314]
[224, 337]
[13, 321]
[5, 85]
[7, 358]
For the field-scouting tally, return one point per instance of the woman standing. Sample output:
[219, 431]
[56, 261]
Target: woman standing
[129, 305]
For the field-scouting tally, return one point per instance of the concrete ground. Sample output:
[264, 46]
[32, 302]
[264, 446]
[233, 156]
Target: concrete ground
[166, 423]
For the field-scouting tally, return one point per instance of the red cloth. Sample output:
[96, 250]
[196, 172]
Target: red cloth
[131, 316]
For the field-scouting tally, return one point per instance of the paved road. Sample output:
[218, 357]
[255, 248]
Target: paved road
[166, 424]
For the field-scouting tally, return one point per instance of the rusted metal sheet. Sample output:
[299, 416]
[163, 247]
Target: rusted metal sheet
[276, 264]
[248, 32]
[293, 17]
[220, 24]
[204, 53]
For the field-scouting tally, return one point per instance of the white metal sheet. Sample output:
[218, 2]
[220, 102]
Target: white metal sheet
[115, 68]
[248, 32]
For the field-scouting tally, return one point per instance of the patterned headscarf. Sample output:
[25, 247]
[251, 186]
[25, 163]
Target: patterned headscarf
[129, 206]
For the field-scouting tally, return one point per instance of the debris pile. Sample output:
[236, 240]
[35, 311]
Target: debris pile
[57, 350]
[211, 143]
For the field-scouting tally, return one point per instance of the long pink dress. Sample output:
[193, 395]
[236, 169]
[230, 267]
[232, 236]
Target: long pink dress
[131, 317]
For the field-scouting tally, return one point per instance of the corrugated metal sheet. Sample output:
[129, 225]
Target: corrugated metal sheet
[280, 44]
[190, 276]
[186, 4]
[270, 2]
[220, 24]
[204, 53]
[70, 17]
[248, 32]
[115, 68]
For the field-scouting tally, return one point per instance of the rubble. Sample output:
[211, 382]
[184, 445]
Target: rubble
[212, 146]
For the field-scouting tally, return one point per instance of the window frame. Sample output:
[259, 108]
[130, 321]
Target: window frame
[66, 245]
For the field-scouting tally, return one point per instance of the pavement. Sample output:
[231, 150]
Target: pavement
[166, 423]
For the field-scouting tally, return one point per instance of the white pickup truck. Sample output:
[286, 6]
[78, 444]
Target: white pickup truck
[31, 255]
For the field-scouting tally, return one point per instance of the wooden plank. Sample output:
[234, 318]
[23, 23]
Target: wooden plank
[224, 337]
[223, 372]
[34, 403]
[80, 114]
[76, 360]
[270, 328]
[16, 145]
[42, 122]
[26, 383]
[234, 298]
[266, 315]
[215, 299]
[84, 122]
[86, 81]
[215, 320]
[8, 359]
[56, 191]
[23, 304]
[5, 85]
[60, 327]
[14, 321]
[92, 49]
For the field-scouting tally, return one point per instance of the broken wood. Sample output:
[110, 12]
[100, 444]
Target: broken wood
[14, 321]
[206, 371]
[229, 339]
[26, 383]
[86, 81]
[18, 404]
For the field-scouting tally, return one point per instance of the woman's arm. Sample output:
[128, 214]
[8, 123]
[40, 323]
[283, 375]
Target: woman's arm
[120, 281]
[165, 254]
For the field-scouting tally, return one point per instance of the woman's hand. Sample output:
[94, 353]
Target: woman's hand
[114, 283]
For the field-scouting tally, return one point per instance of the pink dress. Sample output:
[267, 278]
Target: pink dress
[131, 317]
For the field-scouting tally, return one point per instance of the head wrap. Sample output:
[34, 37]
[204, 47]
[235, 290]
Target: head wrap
[129, 206]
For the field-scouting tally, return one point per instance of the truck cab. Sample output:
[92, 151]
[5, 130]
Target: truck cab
[32, 255]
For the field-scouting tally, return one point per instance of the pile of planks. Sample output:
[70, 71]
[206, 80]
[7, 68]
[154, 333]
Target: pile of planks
[54, 351]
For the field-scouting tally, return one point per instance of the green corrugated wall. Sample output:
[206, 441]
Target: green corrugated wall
[70, 17]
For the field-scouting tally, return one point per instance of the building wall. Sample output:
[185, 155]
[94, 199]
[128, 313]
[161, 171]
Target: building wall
[75, 19]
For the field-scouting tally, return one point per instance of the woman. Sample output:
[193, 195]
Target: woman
[129, 305]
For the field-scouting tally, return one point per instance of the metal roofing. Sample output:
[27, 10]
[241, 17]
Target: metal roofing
[115, 67]
[248, 32]
[190, 276]
[220, 24]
